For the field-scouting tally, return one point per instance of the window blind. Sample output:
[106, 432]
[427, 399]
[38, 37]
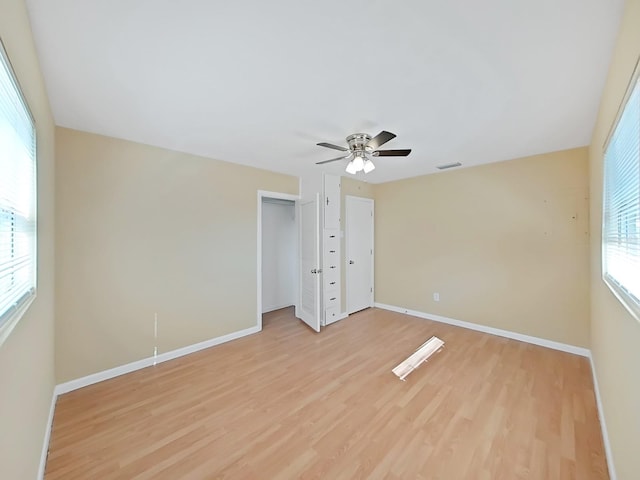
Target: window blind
[17, 196]
[621, 213]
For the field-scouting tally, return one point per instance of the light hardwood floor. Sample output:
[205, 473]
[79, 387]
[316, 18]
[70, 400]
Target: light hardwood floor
[288, 403]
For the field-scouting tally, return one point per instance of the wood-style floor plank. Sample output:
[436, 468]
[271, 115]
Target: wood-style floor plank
[288, 403]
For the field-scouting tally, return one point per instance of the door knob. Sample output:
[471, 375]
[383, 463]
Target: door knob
[351, 262]
[313, 270]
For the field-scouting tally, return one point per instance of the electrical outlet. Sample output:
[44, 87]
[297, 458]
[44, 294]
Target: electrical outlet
[436, 297]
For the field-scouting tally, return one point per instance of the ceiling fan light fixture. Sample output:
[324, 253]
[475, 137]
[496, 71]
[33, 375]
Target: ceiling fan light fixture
[368, 166]
[362, 146]
[358, 163]
[351, 168]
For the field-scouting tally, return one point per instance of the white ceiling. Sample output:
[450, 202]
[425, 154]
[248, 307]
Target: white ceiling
[260, 83]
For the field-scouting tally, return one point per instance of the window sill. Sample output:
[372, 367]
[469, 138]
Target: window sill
[631, 306]
[14, 318]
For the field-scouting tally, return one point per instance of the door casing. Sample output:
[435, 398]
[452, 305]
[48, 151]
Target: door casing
[266, 194]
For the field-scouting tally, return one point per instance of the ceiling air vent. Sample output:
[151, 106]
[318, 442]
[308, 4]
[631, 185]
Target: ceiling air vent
[448, 165]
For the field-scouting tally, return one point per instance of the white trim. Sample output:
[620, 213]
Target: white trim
[543, 342]
[584, 352]
[266, 194]
[114, 372]
[9, 324]
[339, 317]
[603, 425]
[621, 295]
[373, 249]
[628, 301]
[128, 368]
[278, 195]
[635, 76]
[278, 307]
[47, 436]
[150, 361]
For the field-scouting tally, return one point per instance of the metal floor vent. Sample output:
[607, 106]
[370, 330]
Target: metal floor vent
[420, 356]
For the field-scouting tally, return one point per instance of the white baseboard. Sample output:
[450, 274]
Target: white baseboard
[147, 362]
[584, 352]
[543, 342]
[340, 316]
[130, 367]
[277, 307]
[47, 436]
[603, 423]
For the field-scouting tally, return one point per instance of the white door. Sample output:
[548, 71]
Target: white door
[359, 254]
[310, 263]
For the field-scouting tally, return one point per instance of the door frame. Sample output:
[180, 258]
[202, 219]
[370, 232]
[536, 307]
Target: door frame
[347, 200]
[280, 196]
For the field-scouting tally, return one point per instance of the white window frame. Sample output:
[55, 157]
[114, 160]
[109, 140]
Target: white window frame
[12, 315]
[617, 287]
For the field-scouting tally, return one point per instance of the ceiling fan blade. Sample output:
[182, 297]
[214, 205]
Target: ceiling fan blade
[332, 160]
[391, 153]
[380, 139]
[331, 145]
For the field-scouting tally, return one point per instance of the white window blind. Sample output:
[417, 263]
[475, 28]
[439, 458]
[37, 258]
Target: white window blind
[621, 215]
[17, 198]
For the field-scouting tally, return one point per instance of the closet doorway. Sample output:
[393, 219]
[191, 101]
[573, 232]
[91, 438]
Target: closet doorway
[278, 259]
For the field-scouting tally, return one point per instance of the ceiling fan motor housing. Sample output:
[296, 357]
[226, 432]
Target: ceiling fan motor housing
[361, 147]
[358, 142]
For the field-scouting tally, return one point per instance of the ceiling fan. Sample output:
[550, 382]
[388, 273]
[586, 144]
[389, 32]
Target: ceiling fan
[361, 147]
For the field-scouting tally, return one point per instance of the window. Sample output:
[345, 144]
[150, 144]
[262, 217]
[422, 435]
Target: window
[17, 200]
[621, 212]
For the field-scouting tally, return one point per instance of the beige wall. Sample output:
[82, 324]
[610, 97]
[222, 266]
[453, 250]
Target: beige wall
[615, 335]
[26, 357]
[144, 231]
[355, 188]
[505, 245]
